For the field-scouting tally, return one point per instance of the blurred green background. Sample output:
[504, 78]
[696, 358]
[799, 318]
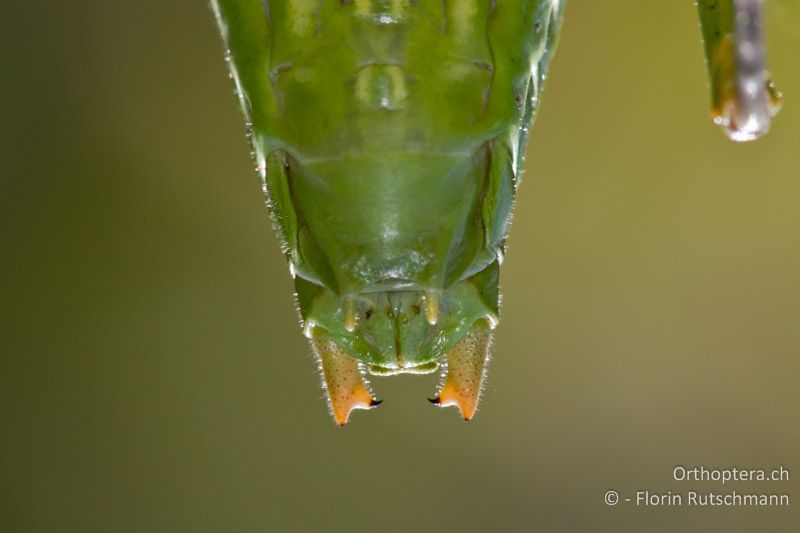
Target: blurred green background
[153, 376]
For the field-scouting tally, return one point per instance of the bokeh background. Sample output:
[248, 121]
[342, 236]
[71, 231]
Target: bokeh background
[153, 376]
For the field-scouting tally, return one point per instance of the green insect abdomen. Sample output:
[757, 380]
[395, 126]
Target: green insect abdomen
[389, 135]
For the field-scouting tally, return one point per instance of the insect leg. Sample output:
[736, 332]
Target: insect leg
[743, 98]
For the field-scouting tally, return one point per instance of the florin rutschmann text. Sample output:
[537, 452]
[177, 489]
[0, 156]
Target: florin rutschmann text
[750, 495]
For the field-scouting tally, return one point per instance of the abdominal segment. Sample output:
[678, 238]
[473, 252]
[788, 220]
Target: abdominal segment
[389, 135]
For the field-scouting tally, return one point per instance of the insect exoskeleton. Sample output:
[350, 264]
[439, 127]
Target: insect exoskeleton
[388, 289]
[389, 134]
